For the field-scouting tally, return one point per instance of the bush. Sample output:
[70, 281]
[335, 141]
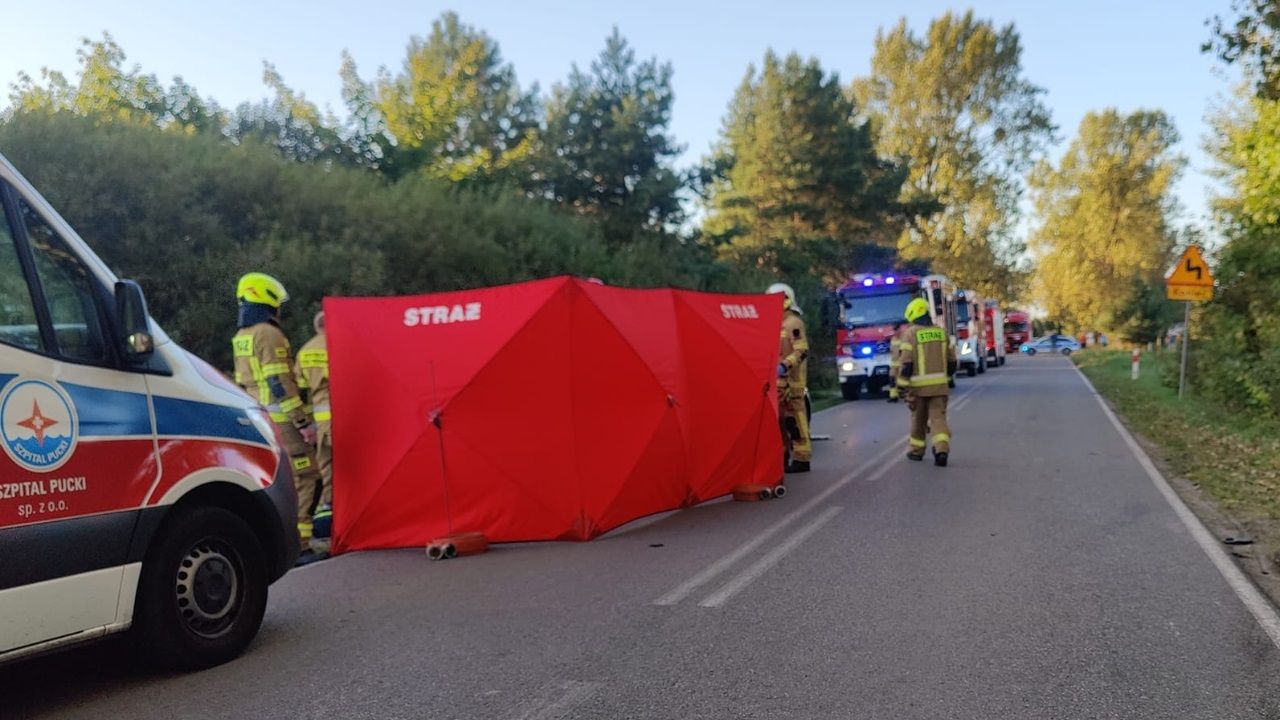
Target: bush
[185, 215]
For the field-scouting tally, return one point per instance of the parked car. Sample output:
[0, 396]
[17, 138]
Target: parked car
[1051, 343]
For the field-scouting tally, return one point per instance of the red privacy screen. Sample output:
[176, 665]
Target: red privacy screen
[553, 409]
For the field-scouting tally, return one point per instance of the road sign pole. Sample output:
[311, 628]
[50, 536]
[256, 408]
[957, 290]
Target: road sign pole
[1186, 340]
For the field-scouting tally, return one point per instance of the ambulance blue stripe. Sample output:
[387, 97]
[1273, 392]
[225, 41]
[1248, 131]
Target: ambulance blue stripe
[197, 419]
[109, 412]
[115, 413]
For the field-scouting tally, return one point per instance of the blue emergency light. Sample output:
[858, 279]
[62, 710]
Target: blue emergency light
[867, 282]
[890, 280]
[866, 350]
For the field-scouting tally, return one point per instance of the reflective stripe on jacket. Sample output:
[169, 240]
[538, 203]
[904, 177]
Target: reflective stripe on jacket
[313, 373]
[264, 368]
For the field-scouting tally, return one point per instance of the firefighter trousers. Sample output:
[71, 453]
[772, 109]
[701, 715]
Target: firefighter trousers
[306, 477]
[795, 425]
[929, 414]
[324, 459]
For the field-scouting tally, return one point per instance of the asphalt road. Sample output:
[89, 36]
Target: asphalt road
[1041, 575]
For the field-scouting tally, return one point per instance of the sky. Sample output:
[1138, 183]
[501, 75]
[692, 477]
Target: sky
[1087, 54]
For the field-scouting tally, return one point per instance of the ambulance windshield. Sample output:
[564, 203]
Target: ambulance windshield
[863, 310]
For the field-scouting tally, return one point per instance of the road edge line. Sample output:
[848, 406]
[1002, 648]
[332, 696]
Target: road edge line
[1254, 601]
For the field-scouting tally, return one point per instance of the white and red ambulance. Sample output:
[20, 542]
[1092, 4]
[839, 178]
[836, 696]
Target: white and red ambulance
[139, 489]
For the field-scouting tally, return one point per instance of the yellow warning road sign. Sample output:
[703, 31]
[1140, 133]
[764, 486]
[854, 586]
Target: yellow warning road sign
[1191, 270]
[1191, 278]
[1189, 292]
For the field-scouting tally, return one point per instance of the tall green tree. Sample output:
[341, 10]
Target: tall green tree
[955, 106]
[605, 150]
[1106, 222]
[454, 111]
[291, 124]
[105, 90]
[1250, 40]
[795, 187]
[1240, 328]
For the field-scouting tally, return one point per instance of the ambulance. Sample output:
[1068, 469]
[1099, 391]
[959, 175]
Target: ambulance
[140, 490]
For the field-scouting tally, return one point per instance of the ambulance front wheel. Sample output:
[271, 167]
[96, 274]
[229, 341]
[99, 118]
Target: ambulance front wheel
[851, 389]
[203, 590]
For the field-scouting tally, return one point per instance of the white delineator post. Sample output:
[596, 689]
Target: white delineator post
[1135, 358]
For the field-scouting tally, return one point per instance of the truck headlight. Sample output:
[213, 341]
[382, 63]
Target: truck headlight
[846, 366]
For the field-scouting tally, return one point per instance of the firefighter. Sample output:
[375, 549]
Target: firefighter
[793, 371]
[264, 368]
[313, 375]
[926, 363]
[893, 363]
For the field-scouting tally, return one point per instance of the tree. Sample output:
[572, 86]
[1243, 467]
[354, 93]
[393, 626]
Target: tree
[1252, 40]
[105, 91]
[954, 106]
[291, 124]
[1106, 229]
[605, 151]
[794, 186]
[185, 215]
[1241, 326]
[454, 111]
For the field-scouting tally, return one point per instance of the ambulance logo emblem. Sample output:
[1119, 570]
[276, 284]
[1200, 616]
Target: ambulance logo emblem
[38, 425]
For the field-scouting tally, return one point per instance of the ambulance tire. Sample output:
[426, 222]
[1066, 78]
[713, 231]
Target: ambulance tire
[971, 370]
[851, 389]
[181, 627]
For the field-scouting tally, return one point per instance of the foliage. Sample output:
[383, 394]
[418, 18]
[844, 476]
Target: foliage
[955, 106]
[1106, 224]
[186, 215]
[795, 188]
[106, 91]
[454, 111]
[290, 124]
[605, 151]
[1252, 40]
[1241, 326]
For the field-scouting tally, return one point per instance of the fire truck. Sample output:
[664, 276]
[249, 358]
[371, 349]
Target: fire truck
[1017, 330]
[971, 344]
[871, 308]
[994, 328]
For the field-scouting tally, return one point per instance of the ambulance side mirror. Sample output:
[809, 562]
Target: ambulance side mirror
[132, 320]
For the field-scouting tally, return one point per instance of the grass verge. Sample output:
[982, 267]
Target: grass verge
[1232, 459]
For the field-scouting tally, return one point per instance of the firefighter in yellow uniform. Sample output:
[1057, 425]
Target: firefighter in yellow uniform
[793, 377]
[313, 375]
[264, 368]
[926, 362]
